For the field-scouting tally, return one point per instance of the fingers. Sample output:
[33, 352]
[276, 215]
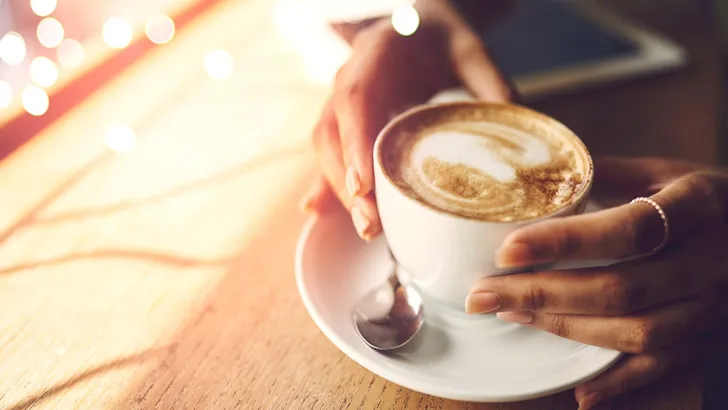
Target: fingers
[692, 202]
[614, 233]
[635, 371]
[359, 119]
[319, 197]
[363, 105]
[610, 291]
[637, 333]
[689, 270]
[365, 217]
[328, 148]
[480, 74]
[702, 201]
[344, 137]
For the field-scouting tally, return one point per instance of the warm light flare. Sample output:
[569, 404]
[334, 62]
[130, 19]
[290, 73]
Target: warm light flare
[43, 8]
[117, 33]
[6, 95]
[12, 48]
[121, 139]
[160, 29]
[35, 100]
[43, 71]
[322, 51]
[405, 20]
[219, 64]
[70, 53]
[50, 32]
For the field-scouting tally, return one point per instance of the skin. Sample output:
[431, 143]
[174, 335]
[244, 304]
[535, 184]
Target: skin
[662, 309]
[379, 82]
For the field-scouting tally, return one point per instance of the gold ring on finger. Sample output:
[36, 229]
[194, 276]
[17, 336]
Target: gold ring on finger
[663, 216]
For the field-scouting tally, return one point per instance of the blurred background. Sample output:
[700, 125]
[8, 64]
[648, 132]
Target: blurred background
[47, 41]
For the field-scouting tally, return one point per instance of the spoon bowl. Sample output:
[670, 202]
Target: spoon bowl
[389, 316]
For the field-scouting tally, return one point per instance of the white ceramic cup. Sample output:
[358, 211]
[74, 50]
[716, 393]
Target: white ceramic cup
[443, 254]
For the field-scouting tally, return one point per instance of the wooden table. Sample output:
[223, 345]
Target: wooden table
[162, 278]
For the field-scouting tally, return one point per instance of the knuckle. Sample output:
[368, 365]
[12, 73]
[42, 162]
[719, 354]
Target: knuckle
[650, 364]
[352, 92]
[559, 325]
[705, 189]
[344, 96]
[641, 338]
[535, 299]
[323, 132]
[630, 234]
[701, 184]
[619, 295]
[568, 243]
[645, 366]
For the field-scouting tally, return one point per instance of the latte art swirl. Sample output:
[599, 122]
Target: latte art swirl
[489, 170]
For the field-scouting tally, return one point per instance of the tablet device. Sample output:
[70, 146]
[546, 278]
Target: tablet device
[552, 46]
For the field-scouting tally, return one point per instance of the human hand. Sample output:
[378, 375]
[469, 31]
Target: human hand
[386, 74]
[653, 306]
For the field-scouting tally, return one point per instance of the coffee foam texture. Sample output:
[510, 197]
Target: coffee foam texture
[484, 151]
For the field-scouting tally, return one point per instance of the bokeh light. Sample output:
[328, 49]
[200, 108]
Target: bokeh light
[117, 33]
[35, 100]
[70, 53]
[405, 20]
[6, 95]
[219, 64]
[12, 48]
[160, 29]
[43, 71]
[43, 8]
[120, 138]
[50, 32]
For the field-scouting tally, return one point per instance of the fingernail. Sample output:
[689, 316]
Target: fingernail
[482, 302]
[590, 400]
[353, 184]
[515, 317]
[516, 254]
[361, 223]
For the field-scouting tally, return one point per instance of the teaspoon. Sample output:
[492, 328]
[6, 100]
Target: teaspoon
[389, 316]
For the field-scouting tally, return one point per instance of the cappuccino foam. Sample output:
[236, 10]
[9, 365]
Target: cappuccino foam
[497, 164]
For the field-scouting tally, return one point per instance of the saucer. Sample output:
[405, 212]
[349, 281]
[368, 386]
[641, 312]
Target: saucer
[455, 356]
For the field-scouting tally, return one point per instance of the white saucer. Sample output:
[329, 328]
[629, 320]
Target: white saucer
[455, 356]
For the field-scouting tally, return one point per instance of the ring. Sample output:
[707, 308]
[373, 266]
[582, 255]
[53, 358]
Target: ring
[663, 216]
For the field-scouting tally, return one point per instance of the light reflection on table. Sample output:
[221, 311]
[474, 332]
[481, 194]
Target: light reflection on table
[120, 218]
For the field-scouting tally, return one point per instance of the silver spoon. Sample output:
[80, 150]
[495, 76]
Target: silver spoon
[389, 316]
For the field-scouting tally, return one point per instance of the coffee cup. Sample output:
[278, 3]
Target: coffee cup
[454, 179]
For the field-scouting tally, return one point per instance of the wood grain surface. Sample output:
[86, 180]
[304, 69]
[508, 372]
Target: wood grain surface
[162, 278]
